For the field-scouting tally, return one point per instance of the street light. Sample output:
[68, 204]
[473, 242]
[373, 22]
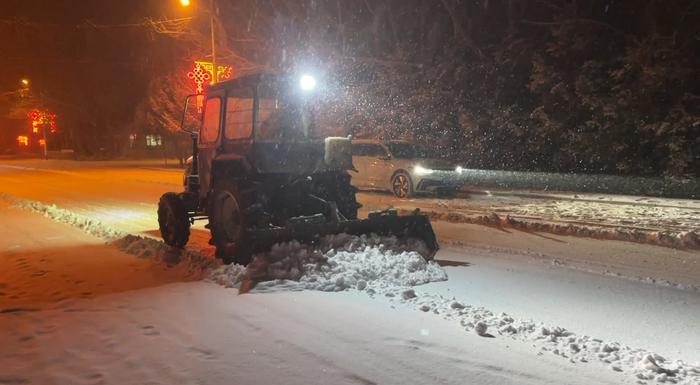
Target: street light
[214, 69]
[25, 82]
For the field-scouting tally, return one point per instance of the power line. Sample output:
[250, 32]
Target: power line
[87, 23]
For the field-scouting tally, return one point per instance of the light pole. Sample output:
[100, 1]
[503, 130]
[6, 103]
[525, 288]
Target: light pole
[212, 14]
[23, 92]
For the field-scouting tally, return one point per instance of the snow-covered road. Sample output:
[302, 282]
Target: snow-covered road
[214, 336]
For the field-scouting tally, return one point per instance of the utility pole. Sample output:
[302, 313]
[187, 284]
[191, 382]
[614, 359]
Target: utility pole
[212, 28]
[46, 144]
[214, 70]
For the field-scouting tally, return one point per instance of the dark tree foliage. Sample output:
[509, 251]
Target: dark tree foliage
[595, 86]
[599, 86]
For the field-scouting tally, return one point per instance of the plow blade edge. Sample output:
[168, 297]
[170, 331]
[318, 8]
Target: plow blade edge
[385, 223]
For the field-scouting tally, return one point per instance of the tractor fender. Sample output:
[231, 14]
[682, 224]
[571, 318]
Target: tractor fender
[227, 166]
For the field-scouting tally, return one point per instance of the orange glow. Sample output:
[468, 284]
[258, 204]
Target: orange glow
[23, 140]
[185, 3]
[42, 142]
[40, 119]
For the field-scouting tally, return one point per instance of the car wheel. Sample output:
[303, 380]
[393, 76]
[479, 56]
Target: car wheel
[401, 185]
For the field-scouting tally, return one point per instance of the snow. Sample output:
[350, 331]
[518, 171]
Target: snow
[382, 265]
[351, 309]
[658, 221]
[532, 217]
[89, 225]
[556, 340]
[198, 333]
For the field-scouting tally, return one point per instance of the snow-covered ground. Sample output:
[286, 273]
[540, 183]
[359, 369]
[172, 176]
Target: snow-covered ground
[384, 316]
[652, 220]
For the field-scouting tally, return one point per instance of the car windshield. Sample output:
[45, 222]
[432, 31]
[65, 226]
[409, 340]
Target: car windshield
[407, 151]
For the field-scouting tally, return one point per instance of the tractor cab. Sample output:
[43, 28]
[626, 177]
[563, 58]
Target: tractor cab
[265, 124]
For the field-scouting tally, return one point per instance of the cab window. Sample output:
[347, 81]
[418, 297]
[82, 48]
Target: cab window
[212, 120]
[239, 118]
[239, 114]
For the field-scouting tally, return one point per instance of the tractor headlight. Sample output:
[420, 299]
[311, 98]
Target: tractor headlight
[459, 170]
[419, 170]
[307, 82]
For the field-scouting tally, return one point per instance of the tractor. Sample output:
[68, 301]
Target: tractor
[261, 174]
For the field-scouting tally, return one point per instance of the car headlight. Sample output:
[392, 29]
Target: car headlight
[422, 170]
[459, 170]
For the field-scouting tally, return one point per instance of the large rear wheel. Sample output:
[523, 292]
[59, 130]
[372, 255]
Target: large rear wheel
[227, 223]
[173, 221]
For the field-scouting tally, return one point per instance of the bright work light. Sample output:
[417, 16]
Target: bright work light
[307, 83]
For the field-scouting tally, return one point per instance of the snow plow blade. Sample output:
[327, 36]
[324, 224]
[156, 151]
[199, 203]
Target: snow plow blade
[383, 223]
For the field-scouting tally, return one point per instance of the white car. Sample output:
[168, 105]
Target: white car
[402, 168]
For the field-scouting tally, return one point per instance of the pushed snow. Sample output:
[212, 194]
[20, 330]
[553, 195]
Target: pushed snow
[370, 263]
[640, 364]
[89, 225]
[195, 262]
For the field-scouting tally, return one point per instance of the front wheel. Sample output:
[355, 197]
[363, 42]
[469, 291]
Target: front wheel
[401, 185]
[173, 220]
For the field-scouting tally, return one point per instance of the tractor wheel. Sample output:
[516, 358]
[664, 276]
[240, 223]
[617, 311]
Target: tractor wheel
[345, 196]
[227, 223]
[173, 220]
[401, 185]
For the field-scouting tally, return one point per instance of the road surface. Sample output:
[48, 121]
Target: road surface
[69, 319]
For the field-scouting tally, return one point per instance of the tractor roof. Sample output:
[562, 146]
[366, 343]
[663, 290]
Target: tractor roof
[250, 79]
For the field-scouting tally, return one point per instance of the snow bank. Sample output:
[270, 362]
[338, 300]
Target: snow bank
[640, 364]
[196, 263]
[87, 224]
[370, 263]
[675, 239]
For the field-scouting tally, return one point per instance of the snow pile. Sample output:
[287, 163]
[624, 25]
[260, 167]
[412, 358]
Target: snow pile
[88, 225]
[196, 263]
[676, 239]
[642, 365]
[340, 262]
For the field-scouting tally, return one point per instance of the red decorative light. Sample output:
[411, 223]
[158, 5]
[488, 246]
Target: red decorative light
[199, 75]
[42, 118]
[202, 73]
[23, 140]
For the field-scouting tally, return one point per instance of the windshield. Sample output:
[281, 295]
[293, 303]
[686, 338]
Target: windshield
[282, 114]
[407, 151]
